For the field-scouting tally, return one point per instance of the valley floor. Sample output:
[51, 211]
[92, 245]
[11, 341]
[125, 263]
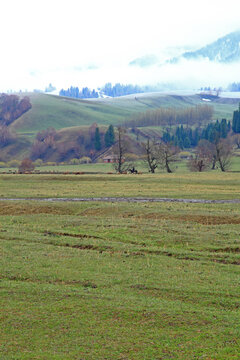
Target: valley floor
[119, 280]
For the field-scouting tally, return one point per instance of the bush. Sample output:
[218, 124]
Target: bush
[85, 160]
[26, 166]
[38, 162]
[74, 161]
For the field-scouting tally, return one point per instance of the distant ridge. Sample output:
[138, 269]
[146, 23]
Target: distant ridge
[224, 50]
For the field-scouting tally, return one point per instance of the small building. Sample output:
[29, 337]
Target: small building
[110, 159]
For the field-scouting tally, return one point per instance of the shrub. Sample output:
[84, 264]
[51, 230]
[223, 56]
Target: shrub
[2, 164]
[74, 161]
[26, 166]
[38, 162]
[85, 160]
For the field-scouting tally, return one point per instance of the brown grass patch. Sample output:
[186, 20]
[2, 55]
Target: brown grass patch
[99, 248]
[234, 250]
[32, 209]
[200, 219]
[80, 236]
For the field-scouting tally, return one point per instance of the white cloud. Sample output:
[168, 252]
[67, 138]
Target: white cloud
[42, 41]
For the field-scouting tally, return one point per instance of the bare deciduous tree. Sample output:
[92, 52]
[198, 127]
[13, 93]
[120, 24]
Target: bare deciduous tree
[236, 140]
[149, 156]
[26, 166]
[120, 151]
[203, 157]
[224, 152]
[166, 155]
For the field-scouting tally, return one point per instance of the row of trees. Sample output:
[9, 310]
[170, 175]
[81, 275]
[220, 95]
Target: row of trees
[164, 155]
[169, 117]
[234, 87]
[84, 93]
[186, 137]
[120, 89]
[206, 156]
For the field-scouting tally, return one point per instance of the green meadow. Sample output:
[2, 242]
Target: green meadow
[60, 112]
[116, 280]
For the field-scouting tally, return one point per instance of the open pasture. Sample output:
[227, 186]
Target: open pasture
[207, 185]
[119, 280]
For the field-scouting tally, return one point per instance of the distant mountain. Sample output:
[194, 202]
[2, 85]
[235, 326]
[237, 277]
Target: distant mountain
[144, 61]
[224, 50]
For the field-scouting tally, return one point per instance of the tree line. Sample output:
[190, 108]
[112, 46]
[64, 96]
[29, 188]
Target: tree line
[170, 117]
[120, 89]
[234, 86]
[74, 92]
[186, 137]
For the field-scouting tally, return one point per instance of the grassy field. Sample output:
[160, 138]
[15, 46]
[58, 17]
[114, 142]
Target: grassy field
[98, 182]
[144, 281]
[59, 112]
[118, 281]
[70, 116]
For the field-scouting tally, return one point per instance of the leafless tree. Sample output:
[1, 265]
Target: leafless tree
[166, 155]
[203, 157]
[121, 163]
[150, 156]
[236, 140]
[26, 166]
[224, 152]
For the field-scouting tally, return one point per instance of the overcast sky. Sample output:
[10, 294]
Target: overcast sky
[56, 41]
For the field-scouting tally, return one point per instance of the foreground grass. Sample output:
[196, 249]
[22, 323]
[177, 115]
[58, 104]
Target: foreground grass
[119, 281]
[209, 185]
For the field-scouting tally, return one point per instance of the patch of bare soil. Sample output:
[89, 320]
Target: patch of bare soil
[100, 248]
[200, 219]
[31, 209]
[80, 236]
[234, 250]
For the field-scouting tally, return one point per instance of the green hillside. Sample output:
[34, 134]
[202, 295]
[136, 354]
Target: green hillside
[60, 112]
[68, 116]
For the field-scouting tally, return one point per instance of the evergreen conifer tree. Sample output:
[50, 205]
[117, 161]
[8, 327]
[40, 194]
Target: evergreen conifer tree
[109, 137]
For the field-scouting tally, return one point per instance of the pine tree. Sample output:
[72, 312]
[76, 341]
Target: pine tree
[223, 128]
[109, 137]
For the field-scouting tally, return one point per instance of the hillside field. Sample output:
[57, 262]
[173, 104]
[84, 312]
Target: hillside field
[60, 112]
[115, 280]
[70, 116]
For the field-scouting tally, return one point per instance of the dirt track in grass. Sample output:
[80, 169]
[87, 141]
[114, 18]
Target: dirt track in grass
[127, 199]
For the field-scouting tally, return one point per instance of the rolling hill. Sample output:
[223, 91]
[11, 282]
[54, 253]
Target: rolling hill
[71, 114]
[60, 112]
